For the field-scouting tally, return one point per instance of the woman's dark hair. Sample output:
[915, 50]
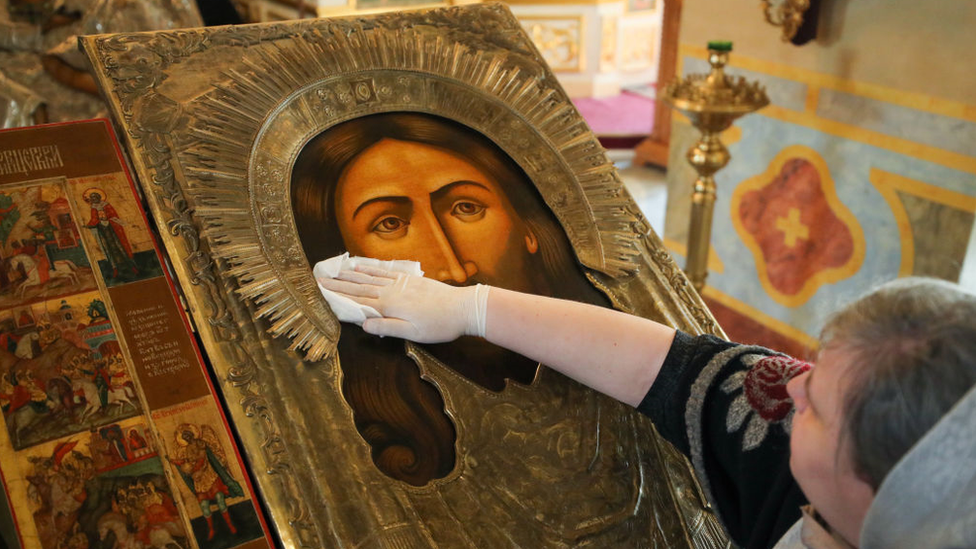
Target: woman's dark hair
[913, 349]
[400, 415]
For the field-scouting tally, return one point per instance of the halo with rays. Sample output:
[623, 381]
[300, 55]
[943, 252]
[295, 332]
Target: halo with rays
[246, 133]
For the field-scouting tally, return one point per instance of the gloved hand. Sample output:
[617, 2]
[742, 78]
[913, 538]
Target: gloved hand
[413, 307]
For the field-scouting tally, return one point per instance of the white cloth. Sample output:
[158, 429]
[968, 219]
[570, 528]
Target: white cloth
[345, 309]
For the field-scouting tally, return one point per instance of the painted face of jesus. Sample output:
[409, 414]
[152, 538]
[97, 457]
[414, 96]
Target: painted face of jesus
[406, 200]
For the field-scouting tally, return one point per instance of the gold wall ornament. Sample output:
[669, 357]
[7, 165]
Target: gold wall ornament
[640, 43]
[560, 39]
[787, 14]
[216, 121]
[712, 101]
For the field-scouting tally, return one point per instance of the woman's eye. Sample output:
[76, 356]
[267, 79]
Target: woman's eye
[390, 226]
[468, 210]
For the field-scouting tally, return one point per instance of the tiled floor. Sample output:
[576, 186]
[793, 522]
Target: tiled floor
[647, 185]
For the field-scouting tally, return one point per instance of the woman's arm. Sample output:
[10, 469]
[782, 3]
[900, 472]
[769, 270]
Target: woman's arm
[613, 352]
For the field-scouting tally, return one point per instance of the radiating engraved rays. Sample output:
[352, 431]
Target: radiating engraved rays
[510, 94]
[217, 184]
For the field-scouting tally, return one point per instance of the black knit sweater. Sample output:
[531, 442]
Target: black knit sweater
[725, 406]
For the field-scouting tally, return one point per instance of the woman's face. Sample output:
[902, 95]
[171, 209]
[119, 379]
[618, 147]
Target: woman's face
[820, 459]
[406, 200]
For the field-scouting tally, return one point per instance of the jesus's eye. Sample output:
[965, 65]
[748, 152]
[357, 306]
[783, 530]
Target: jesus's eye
[391, 227]
[468, 210]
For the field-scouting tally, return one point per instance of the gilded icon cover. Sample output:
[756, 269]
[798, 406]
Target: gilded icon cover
[435, 135]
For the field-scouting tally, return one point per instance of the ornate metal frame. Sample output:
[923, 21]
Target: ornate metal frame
[214, 118]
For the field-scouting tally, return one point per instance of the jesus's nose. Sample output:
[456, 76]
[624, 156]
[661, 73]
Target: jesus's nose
[440, 261]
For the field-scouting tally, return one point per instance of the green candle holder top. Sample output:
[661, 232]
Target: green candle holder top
[720, 45]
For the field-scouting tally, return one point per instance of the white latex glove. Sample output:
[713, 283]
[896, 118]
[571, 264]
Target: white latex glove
[413, 307]
[345, 309]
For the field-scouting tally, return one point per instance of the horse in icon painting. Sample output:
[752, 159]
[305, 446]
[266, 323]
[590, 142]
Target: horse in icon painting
[122, 395]
[62, 269]
[27, 346]
[24, 418]
[67, 404]
[160, 536]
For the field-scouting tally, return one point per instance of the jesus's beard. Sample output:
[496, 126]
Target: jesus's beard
[484, 363]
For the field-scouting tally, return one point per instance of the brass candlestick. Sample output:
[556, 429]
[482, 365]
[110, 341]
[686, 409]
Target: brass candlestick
[712, 101]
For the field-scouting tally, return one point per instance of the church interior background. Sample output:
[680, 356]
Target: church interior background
[862, 168]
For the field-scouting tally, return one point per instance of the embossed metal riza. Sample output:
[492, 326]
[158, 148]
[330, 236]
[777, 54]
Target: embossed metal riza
[213, 120]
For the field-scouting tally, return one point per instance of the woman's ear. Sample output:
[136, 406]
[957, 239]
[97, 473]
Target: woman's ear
[531, 242]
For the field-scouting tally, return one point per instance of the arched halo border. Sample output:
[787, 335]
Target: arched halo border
[530, 119]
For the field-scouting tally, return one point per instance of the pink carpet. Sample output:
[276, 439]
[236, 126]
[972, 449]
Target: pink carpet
[627, 114]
